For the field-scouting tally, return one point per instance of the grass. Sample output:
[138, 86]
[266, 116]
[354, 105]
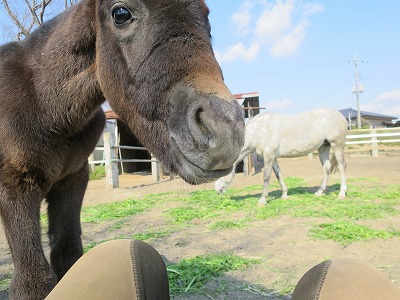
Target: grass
[226, 225]
[5, 281]
[346, 233]
[190, 275]
[112, 211]
[363, 203]
[99, 172]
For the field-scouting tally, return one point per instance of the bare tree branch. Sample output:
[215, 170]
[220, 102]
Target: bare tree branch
[21, 28]
[33, 12]
[34, 9]
[43, 8]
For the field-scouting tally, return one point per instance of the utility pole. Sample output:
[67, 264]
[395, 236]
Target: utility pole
[357, 89]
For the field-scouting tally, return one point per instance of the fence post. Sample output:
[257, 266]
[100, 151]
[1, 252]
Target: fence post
[92, 167]
[246, 171]
[374, 144]
[112, 180]
[155, 169]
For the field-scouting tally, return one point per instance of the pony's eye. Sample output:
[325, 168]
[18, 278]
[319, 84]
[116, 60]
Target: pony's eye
[121, 15]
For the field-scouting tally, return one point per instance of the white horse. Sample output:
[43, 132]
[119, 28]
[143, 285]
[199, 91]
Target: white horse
[273, 135]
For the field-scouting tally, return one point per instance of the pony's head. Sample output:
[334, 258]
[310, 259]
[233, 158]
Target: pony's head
[156, 67]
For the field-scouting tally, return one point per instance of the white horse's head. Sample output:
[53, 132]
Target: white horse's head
[221, 186]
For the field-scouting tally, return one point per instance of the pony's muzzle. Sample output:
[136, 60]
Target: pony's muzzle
[208, 130]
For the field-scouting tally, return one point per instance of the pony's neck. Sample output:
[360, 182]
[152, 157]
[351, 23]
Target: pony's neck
[63, 62]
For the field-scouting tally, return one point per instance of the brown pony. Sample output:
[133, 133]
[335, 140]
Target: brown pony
[153, 61]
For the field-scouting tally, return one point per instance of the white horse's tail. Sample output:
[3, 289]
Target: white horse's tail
[334, 164]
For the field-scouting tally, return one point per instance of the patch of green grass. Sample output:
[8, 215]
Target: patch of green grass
[99, 172]
[112, 211]
[361, 203]
[226, 225]
[292, 182]
[365, 179]
[160, 197]
[186, 214]
[249, 188]
[346, 233]
[211, 200]
[190, 275]
[139, 236]
[91, 245]
[117, 225]
[255, 290]
[204, 204]
[5, 281]
[148, 235]
[328, 206]
[277, 208]
[374, 192]
[347, 209]
[392, 193]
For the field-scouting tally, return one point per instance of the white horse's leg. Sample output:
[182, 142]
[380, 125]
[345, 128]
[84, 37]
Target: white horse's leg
[323, 152]
[341, 165]
[269, 161]
[222, 184]
[279, 176]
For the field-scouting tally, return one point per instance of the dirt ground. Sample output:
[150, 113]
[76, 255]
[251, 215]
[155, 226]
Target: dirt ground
[282, 243]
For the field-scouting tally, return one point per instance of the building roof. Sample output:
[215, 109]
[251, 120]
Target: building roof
[246, 95]
[353, 114]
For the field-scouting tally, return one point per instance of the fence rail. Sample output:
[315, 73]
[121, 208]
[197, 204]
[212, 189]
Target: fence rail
[373, 137]
[111, 160]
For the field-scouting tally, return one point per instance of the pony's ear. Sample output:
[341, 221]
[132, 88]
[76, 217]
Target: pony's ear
[205, 7]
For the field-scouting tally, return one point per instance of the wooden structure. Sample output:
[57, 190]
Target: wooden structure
[125, 137]
[250, 103]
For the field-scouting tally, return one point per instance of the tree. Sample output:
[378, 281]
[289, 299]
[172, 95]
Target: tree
[26, 15]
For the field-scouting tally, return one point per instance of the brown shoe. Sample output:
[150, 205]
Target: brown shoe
[345, 279]
[117, 270]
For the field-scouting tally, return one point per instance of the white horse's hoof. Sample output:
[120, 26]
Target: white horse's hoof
[341, 196]
[285, 197]
[261, 203]
[318, 193]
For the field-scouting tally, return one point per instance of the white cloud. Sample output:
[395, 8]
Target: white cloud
[389, 96]
[310, 9]
[274, 22]
[238, 51]
[280, 26]
[386, 103]
[288, 44]
[242, 19]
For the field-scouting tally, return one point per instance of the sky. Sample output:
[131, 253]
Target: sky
[298, 54]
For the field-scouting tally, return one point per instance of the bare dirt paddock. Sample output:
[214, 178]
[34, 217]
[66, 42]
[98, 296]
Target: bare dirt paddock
[282, 243]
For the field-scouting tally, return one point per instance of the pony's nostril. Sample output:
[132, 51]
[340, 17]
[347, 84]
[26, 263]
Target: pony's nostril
[204, 133]
[199, 120]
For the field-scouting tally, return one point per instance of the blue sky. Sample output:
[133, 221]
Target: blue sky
[296, 53]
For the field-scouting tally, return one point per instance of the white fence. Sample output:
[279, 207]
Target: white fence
[372, 139]
[366, 140]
